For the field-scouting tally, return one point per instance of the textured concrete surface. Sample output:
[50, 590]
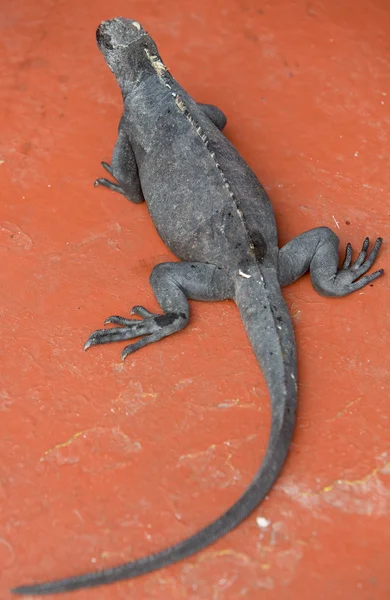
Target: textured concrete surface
[102, 462]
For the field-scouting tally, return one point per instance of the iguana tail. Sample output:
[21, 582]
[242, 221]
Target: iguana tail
[269, 328]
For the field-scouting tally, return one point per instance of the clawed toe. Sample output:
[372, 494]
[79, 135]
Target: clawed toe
[115, 334]
[142, 312]
[111, 185]
[364, 262]
[362, 254]
[107, 167]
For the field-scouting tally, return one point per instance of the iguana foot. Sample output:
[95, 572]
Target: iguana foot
[349, 277]
[106, 183]
[151, 328]
[317, 250]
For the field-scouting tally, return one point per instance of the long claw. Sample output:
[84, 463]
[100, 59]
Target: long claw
[367, 279]
[362, 254]
[108, 184]
[374, 252]
[348, 257]
[131, 348]
[142, 312]
[107, 167]
[118, 334]
[115, 320]
[145, 341]
[87, 345]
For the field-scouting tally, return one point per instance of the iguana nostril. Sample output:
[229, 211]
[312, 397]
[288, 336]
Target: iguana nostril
[103, 39]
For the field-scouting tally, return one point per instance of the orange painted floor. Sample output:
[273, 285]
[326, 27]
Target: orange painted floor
[102, 462]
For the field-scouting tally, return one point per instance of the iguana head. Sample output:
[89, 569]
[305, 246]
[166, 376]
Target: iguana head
[118, 33]
[125, 45]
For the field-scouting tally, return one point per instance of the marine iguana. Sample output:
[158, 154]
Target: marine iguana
[211, 211]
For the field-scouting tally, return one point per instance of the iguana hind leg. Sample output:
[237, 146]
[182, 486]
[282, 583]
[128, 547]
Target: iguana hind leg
[173, 284]
[317, 250]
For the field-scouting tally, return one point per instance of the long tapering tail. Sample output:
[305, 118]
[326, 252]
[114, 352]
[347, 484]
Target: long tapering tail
[269, 328]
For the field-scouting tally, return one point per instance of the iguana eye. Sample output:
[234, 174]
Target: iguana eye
[136, 25]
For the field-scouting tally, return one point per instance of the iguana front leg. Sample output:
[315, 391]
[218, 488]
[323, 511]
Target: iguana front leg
[124, 169]
[173, 284]
[317, 250]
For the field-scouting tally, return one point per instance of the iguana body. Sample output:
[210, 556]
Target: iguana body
[212, 212]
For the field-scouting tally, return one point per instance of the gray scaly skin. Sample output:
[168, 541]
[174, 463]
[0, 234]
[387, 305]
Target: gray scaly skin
[212, 212]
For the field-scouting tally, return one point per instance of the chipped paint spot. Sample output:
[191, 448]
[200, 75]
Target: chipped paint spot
[210, 461]
[64, 444]
[229, 403]
[132, 399]
[367, 495]
[7, 553]
[16, 237]
[344, 410]
[115, 434]
[206, 556]
[354, 482]
[244, 274]
[136, 25]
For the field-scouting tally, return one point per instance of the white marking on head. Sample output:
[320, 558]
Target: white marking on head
[136, 25]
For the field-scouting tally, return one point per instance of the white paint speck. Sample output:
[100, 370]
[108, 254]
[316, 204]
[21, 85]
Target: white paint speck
[78, 515]
[356, 153]
[93, 560]
[244, 274]
[336, 222]
[262, 522]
